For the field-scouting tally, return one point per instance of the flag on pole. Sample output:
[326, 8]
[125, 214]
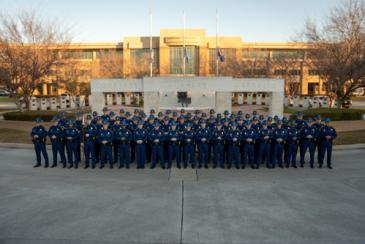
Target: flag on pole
[186, 56]
[220, 55]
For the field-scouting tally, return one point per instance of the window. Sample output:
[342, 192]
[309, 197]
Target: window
[255, 53]
[287, 54]
[80, 54]
[191, 64]
[142, 56]
[101, 52]
[294, 72]
[280, 72]
[313, 72]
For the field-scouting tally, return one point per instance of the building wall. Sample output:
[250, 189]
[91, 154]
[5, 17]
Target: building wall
[136, 57]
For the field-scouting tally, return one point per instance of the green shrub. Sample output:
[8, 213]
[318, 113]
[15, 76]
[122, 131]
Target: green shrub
[32, 115]
[333, 113]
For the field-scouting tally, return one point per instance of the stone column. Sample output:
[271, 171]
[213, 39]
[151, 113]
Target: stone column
[151, 101]
[97, 101]
[223, 101]
[277, 104]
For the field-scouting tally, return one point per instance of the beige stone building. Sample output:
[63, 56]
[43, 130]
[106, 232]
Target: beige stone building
[132, 58]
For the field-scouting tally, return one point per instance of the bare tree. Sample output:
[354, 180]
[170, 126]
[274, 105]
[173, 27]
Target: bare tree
[338, 51]
[29, 48]
[111, 64]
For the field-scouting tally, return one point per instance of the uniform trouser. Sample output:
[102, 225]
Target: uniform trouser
[134, 152]
[286, 154]
[189, 154]
[292, 154]
[226, 153]
[115, 151]
[203, 150]
[148, 152]
[40, 148]
[301, 148]
[97, 151]
[256, 154]
[218, 150]
[319, 149]
[78, 148]
[106, 154]
[210, 150]
[140, 150]
[264, 153]
[174, 151]
[58, 148]
[307, 144]
[248, 153]
[233, 155]
[326, 147]
[89, 150]
[157, 155]
[166, 151]
[72, 156]
[278, 154]
[124, 154]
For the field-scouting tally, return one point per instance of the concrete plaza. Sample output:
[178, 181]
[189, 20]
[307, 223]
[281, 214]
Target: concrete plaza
[181, 206]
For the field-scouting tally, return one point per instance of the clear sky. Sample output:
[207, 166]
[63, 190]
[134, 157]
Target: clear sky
[111, 20]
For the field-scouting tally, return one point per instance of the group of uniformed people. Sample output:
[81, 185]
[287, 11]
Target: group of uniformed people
[225, 140]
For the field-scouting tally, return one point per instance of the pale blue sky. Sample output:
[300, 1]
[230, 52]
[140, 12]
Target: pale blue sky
[111, 20]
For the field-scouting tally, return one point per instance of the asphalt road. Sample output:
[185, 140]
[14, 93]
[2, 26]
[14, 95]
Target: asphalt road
[181, 206]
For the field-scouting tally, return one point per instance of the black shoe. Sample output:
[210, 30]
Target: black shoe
[329, 166]
[281, 166]
[101, 166]
[127, 167]
[320, 166]
[294, 166]
[243, 166]
[64, 166]
[37, 165]
[214, 166]
[185, 166]
[76, 166]
[199, 166]
[152, 167]
[70, 166]
[312, 166]
[193, 166]
[301, 165]
[110, 166]
[46, 166]
[93, 167]
[287, 165]
[221, 166]
[54, 165]
[86, 166]
[237, 167]
[206, 166]
[121, 166]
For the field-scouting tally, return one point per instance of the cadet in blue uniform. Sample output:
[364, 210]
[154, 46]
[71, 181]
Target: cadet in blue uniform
[123, 138]
[218, 140]
[173, 138]
[300, 123]
[249, 137]
[105, 138]
[140, 138]
[292, 143]
[89, 137]
[157, 138]
[39, 135]
[188, 139]
[317, 144]
[114, 124]
[105, 115]
[148, 126]
[233, 138]
[99, 126]
[202, 137]
[264, 141]
[72, 137]
[56, 136]
[327, 134]
[279, 137]
[308, 135]
[78, 125]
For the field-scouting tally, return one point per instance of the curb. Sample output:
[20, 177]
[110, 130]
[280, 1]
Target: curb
[30, 146]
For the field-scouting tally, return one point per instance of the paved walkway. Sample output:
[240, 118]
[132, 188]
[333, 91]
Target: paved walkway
[181, 206]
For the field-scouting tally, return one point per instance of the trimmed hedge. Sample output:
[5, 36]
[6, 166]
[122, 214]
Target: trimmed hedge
[333, 113]
[32, 115]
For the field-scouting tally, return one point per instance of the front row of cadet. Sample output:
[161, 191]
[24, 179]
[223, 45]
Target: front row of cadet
[233, 141]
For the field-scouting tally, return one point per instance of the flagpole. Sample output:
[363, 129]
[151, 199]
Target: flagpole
[216, 45]
[151, 50]
[184, 51]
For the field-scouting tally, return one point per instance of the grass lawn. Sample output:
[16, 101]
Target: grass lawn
[350, 137]
[14, 136]
[359, 98]
[7, 99]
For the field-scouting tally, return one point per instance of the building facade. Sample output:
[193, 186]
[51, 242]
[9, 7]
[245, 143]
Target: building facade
[132, 57]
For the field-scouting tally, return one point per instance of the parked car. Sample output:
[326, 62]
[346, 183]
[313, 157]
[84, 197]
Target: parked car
[4, 93]
[347, 103]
